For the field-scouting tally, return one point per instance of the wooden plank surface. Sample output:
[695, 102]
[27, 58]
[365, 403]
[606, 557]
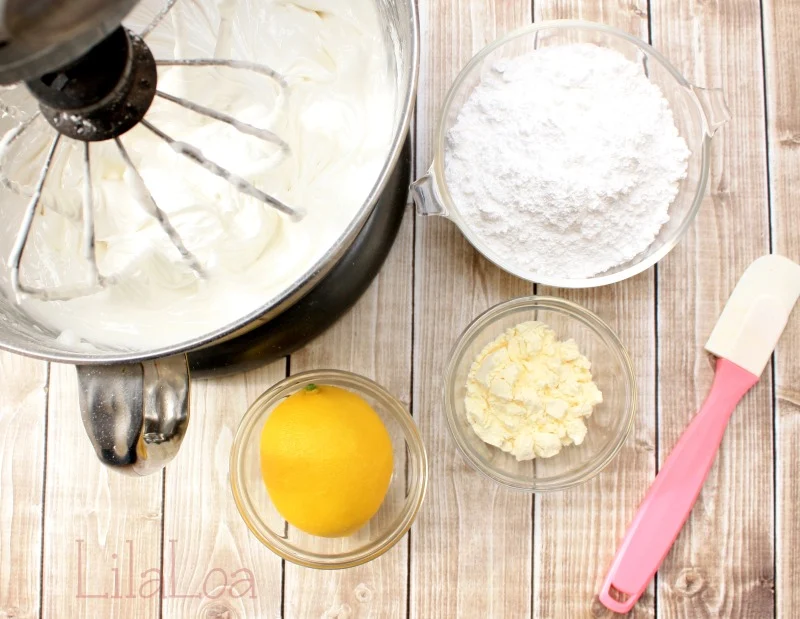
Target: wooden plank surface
[207, 546]
[102, 529]
[374, 340]
[471, 552]
[577, 532]
[722, 563]
[782, 55]
[471, 546]
[23, 402]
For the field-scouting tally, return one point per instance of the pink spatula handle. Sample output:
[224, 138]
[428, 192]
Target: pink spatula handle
[674, 491]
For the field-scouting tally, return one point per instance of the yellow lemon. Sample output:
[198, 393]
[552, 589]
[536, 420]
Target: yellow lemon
[326, 458]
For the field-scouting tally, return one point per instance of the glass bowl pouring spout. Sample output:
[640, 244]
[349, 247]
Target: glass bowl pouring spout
[714, 107]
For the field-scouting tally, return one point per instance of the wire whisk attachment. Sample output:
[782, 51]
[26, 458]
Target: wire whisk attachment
[144, 198]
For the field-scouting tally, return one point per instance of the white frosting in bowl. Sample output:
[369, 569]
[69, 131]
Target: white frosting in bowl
[337, 114]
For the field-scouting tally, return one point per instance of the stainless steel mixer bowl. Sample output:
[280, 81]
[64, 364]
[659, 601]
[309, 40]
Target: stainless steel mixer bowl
[135, 404]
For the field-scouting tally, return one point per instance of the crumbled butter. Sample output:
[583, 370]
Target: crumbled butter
[529, 393]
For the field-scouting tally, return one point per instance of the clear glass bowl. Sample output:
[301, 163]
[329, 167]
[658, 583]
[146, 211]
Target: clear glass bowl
[698, 114]
[384, 530]
[608, 426]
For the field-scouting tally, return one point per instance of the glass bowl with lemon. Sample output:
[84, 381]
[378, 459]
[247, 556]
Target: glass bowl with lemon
[328, 469]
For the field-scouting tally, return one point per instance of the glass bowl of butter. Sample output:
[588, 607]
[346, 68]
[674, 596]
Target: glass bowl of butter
[540, 394]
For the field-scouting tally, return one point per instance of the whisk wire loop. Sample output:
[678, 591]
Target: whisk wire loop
[21, 240]
[147, 202]
[6, 144]
[61, 293]
[194, 154]
[245, 65]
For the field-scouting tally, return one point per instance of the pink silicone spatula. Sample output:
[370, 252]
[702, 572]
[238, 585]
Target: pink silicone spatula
[743, 340]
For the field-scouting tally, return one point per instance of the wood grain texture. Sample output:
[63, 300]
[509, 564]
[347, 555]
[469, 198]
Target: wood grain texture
[722, 563]
[23, 395]
[101, 529]
[782, 55]
[471, 552]
[205, 539]
[471, 545]
[374, 340]
[577, 532]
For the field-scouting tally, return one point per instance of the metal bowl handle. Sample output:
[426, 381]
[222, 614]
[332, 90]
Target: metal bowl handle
[136, 414]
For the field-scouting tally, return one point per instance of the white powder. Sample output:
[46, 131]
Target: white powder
[565, 160]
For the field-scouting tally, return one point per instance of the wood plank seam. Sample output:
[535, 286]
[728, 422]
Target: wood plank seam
[415, 174]
[779, 40]
[773, 360]
[656, 350]
[44, 491]
[161, 560]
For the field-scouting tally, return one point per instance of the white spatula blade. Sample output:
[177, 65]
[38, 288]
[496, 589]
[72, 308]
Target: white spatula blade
[756, 313]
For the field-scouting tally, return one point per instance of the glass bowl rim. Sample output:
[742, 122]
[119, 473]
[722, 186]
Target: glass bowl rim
[574, 311]
[415, 450]
[451, 210]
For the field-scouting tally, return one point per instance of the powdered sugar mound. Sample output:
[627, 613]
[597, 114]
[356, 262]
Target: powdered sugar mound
[565, 161]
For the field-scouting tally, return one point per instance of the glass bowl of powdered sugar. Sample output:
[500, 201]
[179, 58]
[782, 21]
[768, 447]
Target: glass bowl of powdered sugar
[539, 394]
[572, 154]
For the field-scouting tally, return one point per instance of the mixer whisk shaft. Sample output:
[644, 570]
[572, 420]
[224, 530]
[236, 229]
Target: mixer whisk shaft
[263, 134]
[88, 217]
[226, 62]
[158, 18]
